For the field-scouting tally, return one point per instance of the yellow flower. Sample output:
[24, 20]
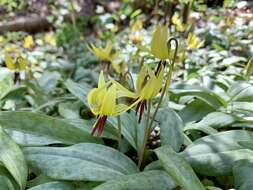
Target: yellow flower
[136, 26]
[1, 38]
[50, 39]
[11, 48]
[102, 53]
[148, 85]
[103, 102]
[159, 42]
[28, 42]
[177, 22]
[193, 42]
[17, 64]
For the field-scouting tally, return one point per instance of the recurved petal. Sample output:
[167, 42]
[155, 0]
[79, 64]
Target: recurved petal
[158, 82]
[159, 42]
[122, 91]
[141, 78]
[101, 80]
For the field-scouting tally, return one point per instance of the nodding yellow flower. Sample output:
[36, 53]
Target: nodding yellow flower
[50, 39]
[103, 102]
[159, 42]
[102, 53]
[16, 64]
[148, 85]
[28, 42]
[136, 34]
[178, 23]
[193, 42]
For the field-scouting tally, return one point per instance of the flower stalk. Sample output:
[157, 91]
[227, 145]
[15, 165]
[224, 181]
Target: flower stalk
[119, 132]
[146, 135]
[166, 85]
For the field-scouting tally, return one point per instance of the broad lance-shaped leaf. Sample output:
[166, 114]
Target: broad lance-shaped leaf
[171, 127]
[54, 186]
[243, 174]
[131, 130]
[6, 180]
[149, 180]
[204, 94]
[13, 159]
[214, 155]
[178, 169]
[194, 111]
[80, 162]
[43, 125]
[241, 92]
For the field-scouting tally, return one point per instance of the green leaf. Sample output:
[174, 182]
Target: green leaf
[214, 155]
[85, 161]
[249, 68]
[243, 174]
[132, 131]
[13, 159]
[48, 80]
[53, 186]
[78, 90]
[46, 126]
[178, 169]
[241, 92]
[171, 128]
[215, 120]
[206, 95]
[7, 182]
[194, 111]
[150, 180]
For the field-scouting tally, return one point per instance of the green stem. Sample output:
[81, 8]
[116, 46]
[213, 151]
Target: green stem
[168, 80]
[146, 135]
[119, 132]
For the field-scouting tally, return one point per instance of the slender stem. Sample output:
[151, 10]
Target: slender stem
[146, 135]
[119, 132]
[168, 80]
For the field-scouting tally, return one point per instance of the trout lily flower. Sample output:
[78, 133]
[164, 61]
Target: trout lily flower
[15, 64]
[102, 53]
[159, 46]
[148, 85]
[178, 23]
[193, 42]
[28, 42]
[103, 102]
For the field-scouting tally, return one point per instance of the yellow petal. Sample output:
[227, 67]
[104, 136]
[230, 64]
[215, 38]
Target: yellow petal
[122, 91]
[22, 63]
[100, 53]
[158, 82]
[9, 62]
[159, 42]
[95, 99]
[141, 78]
[28, 42]
[101, 80]
[108, 48]
[109, 101]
